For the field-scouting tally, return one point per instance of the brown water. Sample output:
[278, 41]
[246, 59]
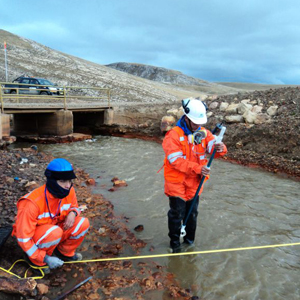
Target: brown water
[240, 207]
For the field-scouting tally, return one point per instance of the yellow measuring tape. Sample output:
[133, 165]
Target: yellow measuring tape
[25, 276]
[149, 256]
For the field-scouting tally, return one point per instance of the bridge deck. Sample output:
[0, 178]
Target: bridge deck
[21, 108]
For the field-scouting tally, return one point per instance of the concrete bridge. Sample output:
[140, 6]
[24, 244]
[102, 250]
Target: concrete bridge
[52, 116]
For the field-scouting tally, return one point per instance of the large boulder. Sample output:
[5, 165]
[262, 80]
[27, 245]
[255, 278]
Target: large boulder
[262, 118]
[243, 107]
[234, 119]
[223, 106]
[232, 109]
[257, 109]
[272, 110]
[167, 122]
[249, 117]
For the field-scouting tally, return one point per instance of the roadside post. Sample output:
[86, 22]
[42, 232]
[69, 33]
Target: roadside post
[5, 59]
[65, 98]
[1, 100]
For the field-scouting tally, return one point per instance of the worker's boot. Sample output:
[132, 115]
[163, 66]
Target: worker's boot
[36, 270]
[191, 224]
[175, 217]
[75, 257]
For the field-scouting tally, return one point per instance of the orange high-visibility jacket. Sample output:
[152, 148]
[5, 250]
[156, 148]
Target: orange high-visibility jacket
[37, 213]
[184, 161]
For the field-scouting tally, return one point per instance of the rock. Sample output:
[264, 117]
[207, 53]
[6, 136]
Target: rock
[257, 109]
[223, 106]
[176, 112]
[232, 109]
[245, 101]
[82, 207]
[243, 107]
[234, 119]
[167, 122]
[139, 228]
[213, 105]
[25, 287]
[249, 117]
[261, 118]
[9, 139]
[272, 110]
[10, 180]
[253, 102]
[282, 109]
[31, 185]
[239, 145]
[119, 183]
[42, 288]
[91, 181]
[101, 230]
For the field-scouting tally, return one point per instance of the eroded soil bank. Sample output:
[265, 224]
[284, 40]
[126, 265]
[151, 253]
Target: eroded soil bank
[109, 236]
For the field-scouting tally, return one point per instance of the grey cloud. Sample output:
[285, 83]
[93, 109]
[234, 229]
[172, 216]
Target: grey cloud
[215, 40]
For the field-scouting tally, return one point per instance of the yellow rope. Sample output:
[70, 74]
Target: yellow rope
[147, 256]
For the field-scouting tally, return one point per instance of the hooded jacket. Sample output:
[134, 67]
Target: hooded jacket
[34, 211]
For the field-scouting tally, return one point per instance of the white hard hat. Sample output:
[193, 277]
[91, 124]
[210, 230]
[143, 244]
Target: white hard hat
[195, 110]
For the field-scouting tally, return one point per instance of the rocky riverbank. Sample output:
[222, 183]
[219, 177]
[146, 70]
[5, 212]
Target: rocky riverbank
[263, 127]
[263, 130]
[21, 171]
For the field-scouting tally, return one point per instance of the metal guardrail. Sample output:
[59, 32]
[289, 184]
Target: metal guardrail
[66, 94]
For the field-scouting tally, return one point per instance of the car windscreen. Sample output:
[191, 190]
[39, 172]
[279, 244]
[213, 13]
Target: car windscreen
[45, 82]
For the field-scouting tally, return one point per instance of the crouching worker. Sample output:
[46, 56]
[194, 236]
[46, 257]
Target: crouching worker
[48, 224]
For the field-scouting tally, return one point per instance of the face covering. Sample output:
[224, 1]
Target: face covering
[55, 189]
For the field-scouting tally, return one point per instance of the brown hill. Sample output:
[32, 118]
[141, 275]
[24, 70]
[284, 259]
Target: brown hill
[33, 59]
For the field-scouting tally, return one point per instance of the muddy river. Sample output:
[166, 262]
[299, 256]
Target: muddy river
[240, 207]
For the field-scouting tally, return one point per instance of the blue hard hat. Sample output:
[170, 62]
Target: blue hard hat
[60, 169]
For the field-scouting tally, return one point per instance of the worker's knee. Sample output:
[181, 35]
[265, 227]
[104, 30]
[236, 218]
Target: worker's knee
[177, 208]
[80, 228]
[50, 237]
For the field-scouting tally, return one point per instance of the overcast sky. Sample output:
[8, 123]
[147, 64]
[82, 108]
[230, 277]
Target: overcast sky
[215, 40]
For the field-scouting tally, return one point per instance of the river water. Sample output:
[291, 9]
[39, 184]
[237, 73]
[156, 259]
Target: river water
[240, 207]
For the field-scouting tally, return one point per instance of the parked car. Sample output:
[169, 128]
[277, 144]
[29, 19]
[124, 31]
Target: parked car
[32, 86]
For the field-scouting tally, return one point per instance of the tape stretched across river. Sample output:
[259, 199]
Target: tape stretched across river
[152, 256]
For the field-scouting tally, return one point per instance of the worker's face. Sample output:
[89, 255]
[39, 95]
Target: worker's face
[65, 184]
[192, 126]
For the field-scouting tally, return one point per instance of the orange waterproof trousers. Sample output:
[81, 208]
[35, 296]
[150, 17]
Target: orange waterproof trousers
[48, 237]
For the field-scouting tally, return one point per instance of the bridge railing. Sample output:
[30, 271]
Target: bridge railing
[56, 96]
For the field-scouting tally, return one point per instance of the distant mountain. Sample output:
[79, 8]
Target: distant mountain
[27, 57]
[159, 74]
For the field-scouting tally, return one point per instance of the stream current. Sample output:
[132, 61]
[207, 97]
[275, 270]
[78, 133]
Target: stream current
[239, 207]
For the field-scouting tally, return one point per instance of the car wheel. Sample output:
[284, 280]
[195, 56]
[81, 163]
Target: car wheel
[43, 93]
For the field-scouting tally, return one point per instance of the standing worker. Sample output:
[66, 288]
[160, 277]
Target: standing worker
[185, 148]
[48, 224]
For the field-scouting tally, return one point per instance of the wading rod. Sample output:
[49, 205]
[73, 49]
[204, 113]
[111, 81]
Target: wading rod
[218, 140]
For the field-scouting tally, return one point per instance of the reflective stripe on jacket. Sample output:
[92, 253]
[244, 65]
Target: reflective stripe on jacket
[33, 211]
